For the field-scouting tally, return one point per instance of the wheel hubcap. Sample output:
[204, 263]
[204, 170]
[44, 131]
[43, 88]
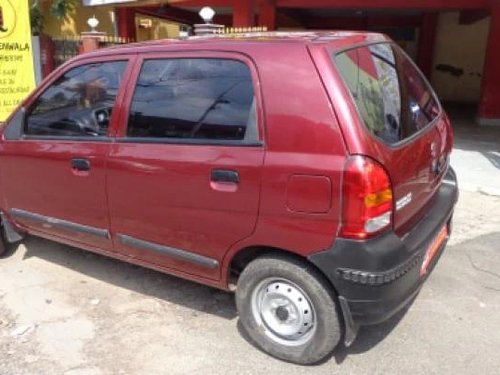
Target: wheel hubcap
[284, 311]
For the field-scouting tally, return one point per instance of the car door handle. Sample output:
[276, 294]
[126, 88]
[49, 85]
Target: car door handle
[224, 180]
[81, 165]
[224, 175]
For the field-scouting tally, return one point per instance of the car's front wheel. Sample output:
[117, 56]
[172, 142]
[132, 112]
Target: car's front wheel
[288, 309]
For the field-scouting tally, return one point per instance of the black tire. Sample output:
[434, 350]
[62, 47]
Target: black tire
[327, 333]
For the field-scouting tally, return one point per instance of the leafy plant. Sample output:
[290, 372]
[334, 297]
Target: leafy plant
[58, 8]
[36, 18]
[61, 8]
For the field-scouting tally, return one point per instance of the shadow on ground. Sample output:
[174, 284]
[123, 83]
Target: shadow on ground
[480, 257]
[175, 290]
[370, 336]
[469, 136]
[493, 157]
[478, 252]
[135, 278]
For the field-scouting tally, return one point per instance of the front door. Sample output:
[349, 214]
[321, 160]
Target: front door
[53, 168]
[184, 174]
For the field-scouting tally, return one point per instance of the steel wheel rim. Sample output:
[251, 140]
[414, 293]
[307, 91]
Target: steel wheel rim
[284, 312]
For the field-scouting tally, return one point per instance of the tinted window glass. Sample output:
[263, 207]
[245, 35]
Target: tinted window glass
[79, 103]
[391, 95]
[193, 98]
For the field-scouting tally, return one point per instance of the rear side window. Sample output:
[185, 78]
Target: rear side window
[392, 97]
[193, 98]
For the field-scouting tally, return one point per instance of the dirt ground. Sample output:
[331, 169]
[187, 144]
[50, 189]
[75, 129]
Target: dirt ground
[65, 311]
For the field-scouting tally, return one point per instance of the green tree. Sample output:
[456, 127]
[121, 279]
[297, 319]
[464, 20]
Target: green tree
[61, 8]
[58, 8]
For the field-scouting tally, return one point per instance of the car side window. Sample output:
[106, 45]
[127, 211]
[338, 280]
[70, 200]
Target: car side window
[193, 98]
[77, 104]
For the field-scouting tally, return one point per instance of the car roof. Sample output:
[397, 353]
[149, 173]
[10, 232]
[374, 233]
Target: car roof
[234, 41]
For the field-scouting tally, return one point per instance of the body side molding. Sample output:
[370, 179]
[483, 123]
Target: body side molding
[188, 256]
[60, 223]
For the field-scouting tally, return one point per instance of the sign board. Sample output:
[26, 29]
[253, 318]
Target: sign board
[89, 3]
[17, 73]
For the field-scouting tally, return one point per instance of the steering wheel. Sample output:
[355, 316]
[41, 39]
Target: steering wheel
[86, 122]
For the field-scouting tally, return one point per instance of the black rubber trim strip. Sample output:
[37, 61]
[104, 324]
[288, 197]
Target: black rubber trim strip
[59, 223]
[199, 260]
[191, 141]
[80, 138]
[379, 278]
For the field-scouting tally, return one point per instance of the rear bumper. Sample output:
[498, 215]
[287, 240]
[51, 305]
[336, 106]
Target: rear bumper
[378, 277]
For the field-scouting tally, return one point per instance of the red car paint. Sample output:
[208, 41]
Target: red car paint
[290, 192]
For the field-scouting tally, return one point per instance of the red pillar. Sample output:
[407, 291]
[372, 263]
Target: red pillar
[47, 55]
[489, 105]
[267, 14]
[427, 42]
[126, 22]
[243, 13]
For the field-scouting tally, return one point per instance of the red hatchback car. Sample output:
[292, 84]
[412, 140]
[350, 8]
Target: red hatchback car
[309, 172]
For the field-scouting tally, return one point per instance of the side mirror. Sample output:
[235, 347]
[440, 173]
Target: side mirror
[14, 128]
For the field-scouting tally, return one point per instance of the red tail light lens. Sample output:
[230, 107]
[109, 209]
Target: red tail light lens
[367, 198]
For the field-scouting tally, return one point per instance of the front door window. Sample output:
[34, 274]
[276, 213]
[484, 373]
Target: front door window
[79, 103]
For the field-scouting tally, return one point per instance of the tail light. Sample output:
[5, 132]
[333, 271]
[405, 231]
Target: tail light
[367, 198]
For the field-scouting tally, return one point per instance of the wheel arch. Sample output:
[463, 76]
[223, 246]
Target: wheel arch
[237, 262]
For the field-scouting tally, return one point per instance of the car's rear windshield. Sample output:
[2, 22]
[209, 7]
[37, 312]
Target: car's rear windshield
[392, 97]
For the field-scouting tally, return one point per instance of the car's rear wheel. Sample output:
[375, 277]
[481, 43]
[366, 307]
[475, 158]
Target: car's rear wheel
[288, 309]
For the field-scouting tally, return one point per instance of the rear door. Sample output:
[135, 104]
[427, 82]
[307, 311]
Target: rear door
[400, 123]
[184, 175]
[53, 166]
